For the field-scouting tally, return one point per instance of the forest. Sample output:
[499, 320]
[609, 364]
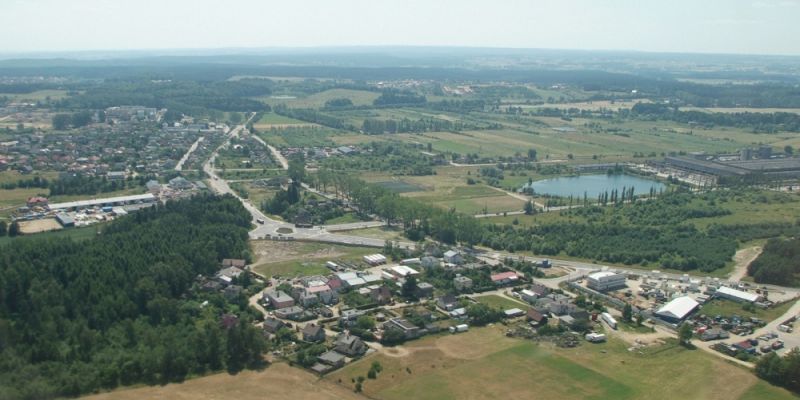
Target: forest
[778, 263]
[121, 309]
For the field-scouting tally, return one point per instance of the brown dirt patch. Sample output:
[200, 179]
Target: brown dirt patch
[39, 225]
[279, 381]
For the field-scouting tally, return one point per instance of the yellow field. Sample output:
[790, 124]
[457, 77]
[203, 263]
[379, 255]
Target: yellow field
[278, 381]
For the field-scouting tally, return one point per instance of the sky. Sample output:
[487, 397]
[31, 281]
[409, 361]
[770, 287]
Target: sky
[694, 26]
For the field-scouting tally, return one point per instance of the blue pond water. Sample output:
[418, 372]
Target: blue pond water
[593, 185]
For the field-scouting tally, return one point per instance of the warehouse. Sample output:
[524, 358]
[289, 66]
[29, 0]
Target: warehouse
[725, 292]
[678, 309]
[111, 201]
[605, 281]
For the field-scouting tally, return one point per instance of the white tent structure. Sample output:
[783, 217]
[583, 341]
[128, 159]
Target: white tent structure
[677, 309]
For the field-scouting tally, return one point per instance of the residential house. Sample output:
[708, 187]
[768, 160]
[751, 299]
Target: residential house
[409, 330]
[272, 325]
[232, 292]
[234, 262]
[332, 358]
[381, 294]
[447, 302]
[505, 278]
[424, 290]
[313, 333]
[536, 318]
[349, 345]
[453, 257]
[279, 299]
[429, 262]
[293, 312]
[462, 283]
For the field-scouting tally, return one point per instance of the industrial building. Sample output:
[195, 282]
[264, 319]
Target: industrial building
[605, 281]
[111, 201]
[737, 295]
[678, 309]
[769, 168]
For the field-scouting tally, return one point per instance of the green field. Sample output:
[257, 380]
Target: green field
[482, 363]
[500, 302]
[317, 100]
[71, 233]
[302, 258]
[36, 96]
[270, 119]
[728, 308]
[305, 136]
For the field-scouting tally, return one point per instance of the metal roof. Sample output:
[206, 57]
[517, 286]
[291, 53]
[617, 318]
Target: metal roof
[98, 202]
[678, 308]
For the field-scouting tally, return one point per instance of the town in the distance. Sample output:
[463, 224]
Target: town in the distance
[514, 224]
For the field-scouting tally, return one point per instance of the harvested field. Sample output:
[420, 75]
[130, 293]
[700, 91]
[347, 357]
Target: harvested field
[39, 225]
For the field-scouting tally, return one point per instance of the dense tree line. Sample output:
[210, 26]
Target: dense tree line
[372, 126]
[778, 264]
[393, 97]
[35, 182]
[458, 106]
[187, 97]
[75, 120]
[758, 122]
[314, 116]
[782, 371]
[80, 184]
[119, 309]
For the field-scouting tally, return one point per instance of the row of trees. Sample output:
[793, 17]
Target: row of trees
[119, 308]
[779, 263]
[76, 120]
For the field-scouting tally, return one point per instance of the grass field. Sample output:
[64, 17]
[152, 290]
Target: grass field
[302, 258]
[501, 302]
[300, 137]
[728, 308]
[317, 100]
[71, 233]
[483, 363]
[379, 233]
[36, 96]
[278, 381]
[271, 119]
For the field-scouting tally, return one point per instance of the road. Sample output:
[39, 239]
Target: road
[743, 258]
[189, 152]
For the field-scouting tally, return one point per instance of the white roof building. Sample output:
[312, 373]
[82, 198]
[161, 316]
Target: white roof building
[737, 295]
[403, 271]
[678, 309]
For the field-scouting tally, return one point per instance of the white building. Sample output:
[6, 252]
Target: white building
[737, 295]
[605, 280]
[678, 309]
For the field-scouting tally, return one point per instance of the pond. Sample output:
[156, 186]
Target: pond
[593, 185]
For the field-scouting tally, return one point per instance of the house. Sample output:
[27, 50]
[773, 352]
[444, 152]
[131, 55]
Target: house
[293, 312]
[453, 257]
[513, 313]
[313, 333]
[303, 219]
[429, 262]
[227, 275]
[605, 280]
[505, 278]
[536, 318]
[528, 295]
[228, 321]
[279, 299]
[561, 307]
[116, 175]
[380, 295]
[332, 358]
[232, 292]
[153, 186]
[234, 262]
[323, 293]
[424, 290]
[272, 325]
[458, 313]
[37, 202]
[447, 302]
[349, 345]
[180, 183]
[402, 325]
[462, 283]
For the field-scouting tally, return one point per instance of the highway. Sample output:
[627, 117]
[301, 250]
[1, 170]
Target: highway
[189, 152]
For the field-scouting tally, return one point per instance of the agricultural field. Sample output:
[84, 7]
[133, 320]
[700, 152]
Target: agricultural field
[36, 96]
[317, 100]
[301, 258]
[483, 363]
[278, 381]
[76, 234]
[269, 120]
[449, 189]
[300, 136]
[383, 232]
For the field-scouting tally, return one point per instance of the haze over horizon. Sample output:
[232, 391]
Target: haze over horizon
[731, 27]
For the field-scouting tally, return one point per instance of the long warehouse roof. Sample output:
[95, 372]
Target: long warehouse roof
[678, 308]
[97, 202]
